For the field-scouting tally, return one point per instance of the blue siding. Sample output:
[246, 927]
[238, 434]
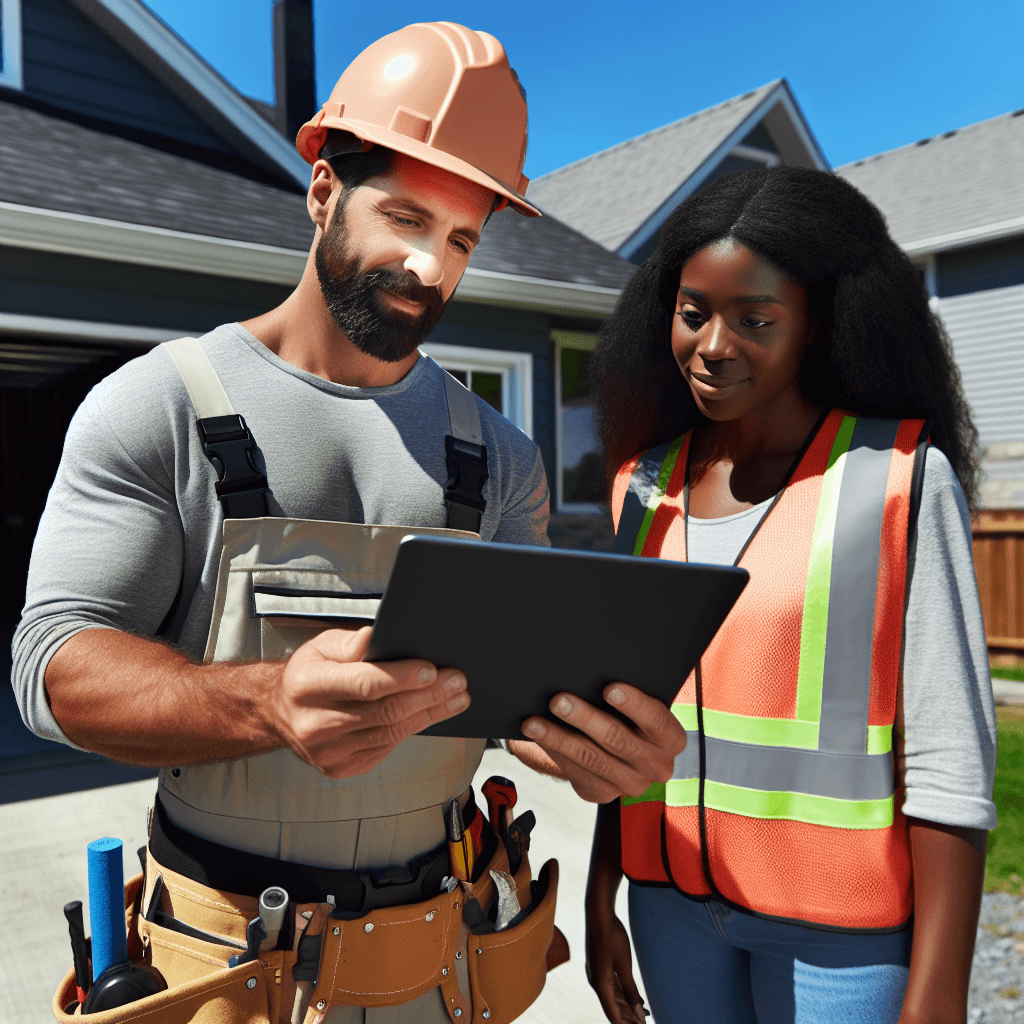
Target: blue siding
[980, 268]
[73, 287]
[71, 64]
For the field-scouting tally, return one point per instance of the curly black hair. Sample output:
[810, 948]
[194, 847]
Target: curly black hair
[882, 351]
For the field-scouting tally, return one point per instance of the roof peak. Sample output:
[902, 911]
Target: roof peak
[762, 89]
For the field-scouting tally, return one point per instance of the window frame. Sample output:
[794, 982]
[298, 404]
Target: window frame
[514, 368]
[11, 74]
[568, 340]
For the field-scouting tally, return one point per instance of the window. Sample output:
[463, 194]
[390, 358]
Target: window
[579, 484]
[10, 44]
[504, 380]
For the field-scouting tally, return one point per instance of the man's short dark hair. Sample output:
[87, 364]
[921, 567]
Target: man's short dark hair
[343, 151]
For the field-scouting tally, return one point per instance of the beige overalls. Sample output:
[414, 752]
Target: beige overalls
[280, 583]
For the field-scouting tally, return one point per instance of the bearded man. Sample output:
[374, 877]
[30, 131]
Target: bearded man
[287, 760]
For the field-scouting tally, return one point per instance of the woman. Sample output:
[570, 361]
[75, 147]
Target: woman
[767, 389]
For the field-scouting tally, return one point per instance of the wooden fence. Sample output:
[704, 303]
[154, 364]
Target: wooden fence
[999, 565]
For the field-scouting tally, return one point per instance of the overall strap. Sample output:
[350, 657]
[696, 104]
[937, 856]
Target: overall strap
[466, 459]
[227, 442]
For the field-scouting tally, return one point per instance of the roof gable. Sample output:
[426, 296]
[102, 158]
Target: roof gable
[961, 187]
[69, 63]
[620, 196]
[114, 61]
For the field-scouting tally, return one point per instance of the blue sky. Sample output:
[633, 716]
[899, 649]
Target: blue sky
[869, 75]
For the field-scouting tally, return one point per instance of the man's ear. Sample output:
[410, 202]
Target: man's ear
[318, 199]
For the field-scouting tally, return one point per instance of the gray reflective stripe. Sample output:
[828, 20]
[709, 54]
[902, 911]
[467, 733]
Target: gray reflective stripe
[846, 681]
[201, 381]
[789, 770]
[463, 412]
[687, 764]
[642, 484]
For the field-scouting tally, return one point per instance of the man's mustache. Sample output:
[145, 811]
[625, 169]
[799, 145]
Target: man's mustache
[405, 286]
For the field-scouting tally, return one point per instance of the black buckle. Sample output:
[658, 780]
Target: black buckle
[467, 473]
[228, 443]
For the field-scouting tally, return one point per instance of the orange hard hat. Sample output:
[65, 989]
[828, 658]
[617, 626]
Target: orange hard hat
[438, 92]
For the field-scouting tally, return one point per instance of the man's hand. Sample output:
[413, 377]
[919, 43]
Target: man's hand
[142, 702]
[344, 715]
[609, 759]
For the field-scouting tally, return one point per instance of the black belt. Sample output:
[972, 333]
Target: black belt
[248, 874]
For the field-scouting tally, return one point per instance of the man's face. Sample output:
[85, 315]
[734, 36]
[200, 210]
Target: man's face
[393, 252]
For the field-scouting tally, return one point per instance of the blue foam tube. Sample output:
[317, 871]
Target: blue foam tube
[106, 904]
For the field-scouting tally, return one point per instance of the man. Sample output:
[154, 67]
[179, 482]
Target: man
[292, 757]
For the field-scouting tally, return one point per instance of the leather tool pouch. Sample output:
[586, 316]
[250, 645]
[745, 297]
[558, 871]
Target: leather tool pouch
[201, 989]
[392, 955]
[379, 958]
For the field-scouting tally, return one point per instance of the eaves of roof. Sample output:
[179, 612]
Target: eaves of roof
[959, 188]
[175, 64]
[622, 194]
[129, 201]
[35, 228]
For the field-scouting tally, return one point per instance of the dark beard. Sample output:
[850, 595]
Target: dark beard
[359, 311]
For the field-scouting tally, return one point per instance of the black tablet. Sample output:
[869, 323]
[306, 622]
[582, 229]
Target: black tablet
[525, 623]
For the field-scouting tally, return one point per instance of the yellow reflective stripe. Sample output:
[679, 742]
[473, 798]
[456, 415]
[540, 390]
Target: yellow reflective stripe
[656, 792]
[879, 739]
[814, 625]
[682, 792]
[768, 732]
[775, 732]
[686, 715]
[815, 810]
[664, 475]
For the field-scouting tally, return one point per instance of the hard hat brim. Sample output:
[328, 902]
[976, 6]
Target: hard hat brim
[311, 137]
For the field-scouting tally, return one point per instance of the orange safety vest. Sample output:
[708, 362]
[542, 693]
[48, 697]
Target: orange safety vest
[785, 801]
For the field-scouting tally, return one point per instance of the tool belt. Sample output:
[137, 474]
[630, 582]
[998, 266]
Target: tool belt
[353, 951]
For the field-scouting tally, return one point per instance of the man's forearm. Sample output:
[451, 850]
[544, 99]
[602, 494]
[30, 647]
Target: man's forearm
[144, 703]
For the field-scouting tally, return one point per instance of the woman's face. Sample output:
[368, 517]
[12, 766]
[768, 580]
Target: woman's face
[740, 331]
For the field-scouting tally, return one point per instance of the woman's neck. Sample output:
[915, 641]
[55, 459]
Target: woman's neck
[740, 463]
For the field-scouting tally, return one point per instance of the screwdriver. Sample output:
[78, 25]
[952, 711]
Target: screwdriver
[76, 926]
[460, 845]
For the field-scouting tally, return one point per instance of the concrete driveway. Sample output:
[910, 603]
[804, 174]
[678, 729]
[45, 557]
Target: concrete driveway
[43, 866]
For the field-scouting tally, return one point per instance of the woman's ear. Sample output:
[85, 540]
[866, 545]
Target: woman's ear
[321, 188]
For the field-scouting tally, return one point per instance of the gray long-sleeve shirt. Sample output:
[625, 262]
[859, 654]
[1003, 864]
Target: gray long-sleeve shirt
[133, 515]
[947, 754]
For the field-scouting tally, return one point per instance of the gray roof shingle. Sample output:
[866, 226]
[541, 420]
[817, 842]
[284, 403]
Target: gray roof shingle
[110, 176]
[953, 182]
[667, 156]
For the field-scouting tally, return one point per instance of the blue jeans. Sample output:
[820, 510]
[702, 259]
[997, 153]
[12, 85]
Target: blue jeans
[704, 963]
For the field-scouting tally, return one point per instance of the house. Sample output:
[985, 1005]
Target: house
[142, 198]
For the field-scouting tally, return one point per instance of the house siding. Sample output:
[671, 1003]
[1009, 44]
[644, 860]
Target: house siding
[77, 288]
[987, 331]
[68, 62]
[980, 268]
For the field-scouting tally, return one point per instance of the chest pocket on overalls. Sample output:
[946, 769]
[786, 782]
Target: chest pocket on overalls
[293, 608]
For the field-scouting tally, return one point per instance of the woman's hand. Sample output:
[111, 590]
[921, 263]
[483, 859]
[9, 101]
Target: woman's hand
[610, 969]
[609, 958]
